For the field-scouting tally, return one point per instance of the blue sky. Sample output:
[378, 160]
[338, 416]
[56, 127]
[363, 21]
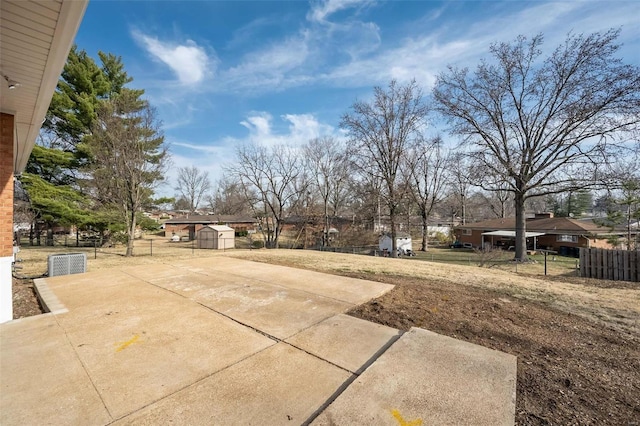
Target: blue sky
[223, 73]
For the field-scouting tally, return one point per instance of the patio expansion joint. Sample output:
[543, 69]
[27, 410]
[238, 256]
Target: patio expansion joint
[192, 384]
[353, 377]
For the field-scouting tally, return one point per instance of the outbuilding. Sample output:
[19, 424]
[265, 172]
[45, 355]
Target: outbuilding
[403, 242]
[216, 237]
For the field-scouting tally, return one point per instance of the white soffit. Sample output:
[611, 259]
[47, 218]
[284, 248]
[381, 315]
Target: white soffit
[35, 39]
[512, 234]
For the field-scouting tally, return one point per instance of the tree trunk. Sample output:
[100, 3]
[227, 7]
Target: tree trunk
[49, 235]
[425, 233]
[521, 240]
[132, 234]
[464, 210]
[394, 245]
[629, 227]
[277, 229]
[325, 236]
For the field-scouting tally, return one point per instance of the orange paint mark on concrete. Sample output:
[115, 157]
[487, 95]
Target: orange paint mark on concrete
[124, 345]
[402, 422]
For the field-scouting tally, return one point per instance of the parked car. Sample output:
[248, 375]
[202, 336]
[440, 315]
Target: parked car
[458, 244]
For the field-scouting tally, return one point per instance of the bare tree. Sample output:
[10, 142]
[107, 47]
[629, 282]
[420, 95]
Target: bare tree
[498, 202]
[328, 169]
[427, 169]
[130, 155]
[622, 183]
[460, 184]
[497, 197]
[193, 184]
[229, 197]
[542, 126]
[363, 200]
[276, 176]
[380, 133]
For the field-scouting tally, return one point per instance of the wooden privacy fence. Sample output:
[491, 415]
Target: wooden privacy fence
[617, 265]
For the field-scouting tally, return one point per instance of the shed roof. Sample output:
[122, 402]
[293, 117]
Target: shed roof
[220, 228]
[398, 235]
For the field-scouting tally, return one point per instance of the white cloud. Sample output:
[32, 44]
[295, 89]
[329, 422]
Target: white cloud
[269, 68]
[259, 125]
[298, 59]
[188, 61]
[321, 10]
[294, 130]
[300, 128]
[424, 55]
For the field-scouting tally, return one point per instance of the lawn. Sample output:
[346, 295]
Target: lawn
[556, 265]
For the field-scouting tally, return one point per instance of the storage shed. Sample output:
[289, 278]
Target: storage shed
[403, 242]
[216, 237]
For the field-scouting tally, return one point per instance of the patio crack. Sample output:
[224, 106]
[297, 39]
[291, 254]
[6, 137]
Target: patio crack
[265, 334]
[352, 378]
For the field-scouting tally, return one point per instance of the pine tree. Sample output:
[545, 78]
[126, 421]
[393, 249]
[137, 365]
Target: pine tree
[129, 152]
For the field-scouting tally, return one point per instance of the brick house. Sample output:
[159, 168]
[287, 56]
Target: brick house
[188, 226]
[544, 231]
[27, 83]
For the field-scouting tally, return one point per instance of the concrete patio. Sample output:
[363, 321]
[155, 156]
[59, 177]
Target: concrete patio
[228, 341]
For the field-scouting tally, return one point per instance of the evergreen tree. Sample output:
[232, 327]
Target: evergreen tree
[62, 179]
[54, 204]
[73, 106]
[129, 154]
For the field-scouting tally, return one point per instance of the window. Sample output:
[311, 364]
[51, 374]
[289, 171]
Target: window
[567, 238]
[467, 232]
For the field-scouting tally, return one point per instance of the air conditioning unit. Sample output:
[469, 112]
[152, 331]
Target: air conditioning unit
[68, 263]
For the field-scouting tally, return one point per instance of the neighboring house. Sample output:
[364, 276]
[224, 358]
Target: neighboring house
[544, 231]
[159, 216]
[436, 223]
[188, 226]
[432, 231]
[403, 242]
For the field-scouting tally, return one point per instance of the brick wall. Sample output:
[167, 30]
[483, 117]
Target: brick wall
[6, 184]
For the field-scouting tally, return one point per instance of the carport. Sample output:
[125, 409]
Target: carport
[511, 235]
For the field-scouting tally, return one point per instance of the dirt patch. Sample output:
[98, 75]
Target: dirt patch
[25, 301]
[570, 370]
